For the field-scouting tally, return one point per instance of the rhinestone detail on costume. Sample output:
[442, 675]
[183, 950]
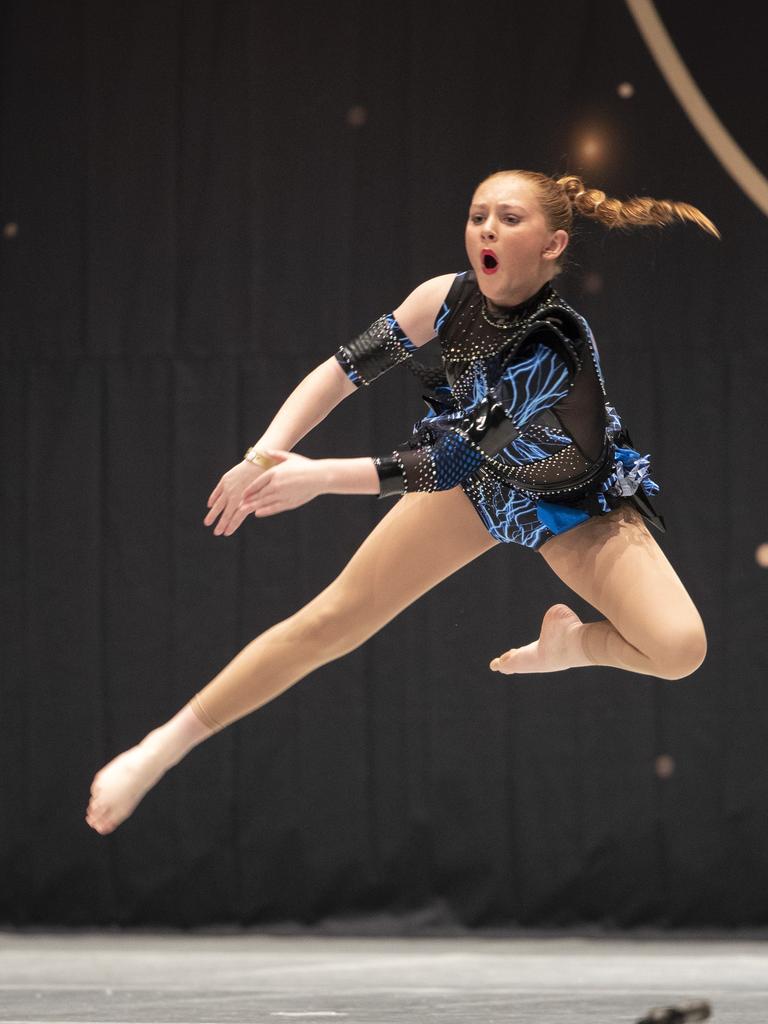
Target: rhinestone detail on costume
[471, 346]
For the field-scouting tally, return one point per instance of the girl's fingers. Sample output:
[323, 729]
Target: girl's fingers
[267, 510]
[226, 518]
[264, 494]
[256, 487]
[214, 495]
[234, 523]
[221, 504]
[259, 511]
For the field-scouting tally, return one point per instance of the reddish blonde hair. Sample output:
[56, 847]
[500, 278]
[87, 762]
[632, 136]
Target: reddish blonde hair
[560, 198]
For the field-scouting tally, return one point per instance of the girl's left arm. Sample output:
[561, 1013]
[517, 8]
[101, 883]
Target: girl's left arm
[295, 479]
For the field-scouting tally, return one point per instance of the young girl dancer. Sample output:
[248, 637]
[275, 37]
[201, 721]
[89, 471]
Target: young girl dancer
[518, 445]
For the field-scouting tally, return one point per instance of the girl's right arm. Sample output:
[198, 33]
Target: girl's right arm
[360, 362]
[395, 336]
[306, 406]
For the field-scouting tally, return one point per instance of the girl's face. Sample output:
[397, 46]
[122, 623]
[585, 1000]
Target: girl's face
[509, 244]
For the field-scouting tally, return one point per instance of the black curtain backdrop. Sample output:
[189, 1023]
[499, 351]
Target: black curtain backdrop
[200, 202]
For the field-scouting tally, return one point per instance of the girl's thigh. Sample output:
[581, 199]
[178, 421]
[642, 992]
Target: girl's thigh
[422, 540]
[614, 563]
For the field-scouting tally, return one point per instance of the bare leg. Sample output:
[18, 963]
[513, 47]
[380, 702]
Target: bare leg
[651, 625]
[422, 540]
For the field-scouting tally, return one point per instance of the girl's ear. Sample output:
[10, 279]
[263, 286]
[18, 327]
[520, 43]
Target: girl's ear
[556, 245]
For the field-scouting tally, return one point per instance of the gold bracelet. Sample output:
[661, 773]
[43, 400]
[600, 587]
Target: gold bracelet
[259, 458]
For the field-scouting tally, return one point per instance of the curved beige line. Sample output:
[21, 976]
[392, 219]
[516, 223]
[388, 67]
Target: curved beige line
[692, 100]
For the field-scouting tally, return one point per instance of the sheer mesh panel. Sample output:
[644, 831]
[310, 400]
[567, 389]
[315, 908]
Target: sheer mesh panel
[582, 411]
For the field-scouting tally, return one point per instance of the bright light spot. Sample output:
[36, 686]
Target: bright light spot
[626, 90]
[761, 556]
[592, 282]
[10, 230]
[357, 116]
[665, 766]
[595, 144]
[591, 148]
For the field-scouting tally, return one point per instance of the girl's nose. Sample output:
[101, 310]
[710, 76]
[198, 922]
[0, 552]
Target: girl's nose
[487, 232]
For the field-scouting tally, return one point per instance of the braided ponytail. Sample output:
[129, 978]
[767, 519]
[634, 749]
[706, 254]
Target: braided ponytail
[629, 213]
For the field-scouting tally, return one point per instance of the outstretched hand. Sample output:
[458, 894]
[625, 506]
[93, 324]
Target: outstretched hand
[248, 488]
[294, 481]
[226, 496]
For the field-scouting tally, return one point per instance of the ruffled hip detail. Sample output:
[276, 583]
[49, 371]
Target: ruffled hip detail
[631, 471]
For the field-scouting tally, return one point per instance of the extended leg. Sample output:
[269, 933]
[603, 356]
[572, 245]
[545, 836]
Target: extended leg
[422, 540]
[651, 626]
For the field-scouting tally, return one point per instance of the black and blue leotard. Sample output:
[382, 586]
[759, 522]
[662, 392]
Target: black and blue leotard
[517, 415]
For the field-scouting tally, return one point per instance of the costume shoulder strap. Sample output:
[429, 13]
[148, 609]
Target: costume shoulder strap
[568, 321]
[463, 286]
[555, 329]
[431, 376]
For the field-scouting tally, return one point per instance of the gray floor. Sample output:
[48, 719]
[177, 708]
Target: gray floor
[193, 979]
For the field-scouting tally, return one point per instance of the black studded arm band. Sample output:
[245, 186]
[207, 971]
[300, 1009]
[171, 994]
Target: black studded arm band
[379, 348]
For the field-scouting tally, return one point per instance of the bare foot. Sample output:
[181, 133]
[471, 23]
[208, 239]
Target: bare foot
[119, 786]
[558, 646]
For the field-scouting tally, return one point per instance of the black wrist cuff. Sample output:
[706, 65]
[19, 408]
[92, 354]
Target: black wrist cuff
[391, 476]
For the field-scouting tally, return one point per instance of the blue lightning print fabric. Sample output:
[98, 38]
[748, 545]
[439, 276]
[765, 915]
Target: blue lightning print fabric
[525, 389]
[564, 454]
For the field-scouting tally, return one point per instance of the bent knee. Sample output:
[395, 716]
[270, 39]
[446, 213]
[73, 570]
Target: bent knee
[680, 652]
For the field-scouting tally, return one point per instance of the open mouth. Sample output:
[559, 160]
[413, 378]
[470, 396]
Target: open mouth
[490, 263]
